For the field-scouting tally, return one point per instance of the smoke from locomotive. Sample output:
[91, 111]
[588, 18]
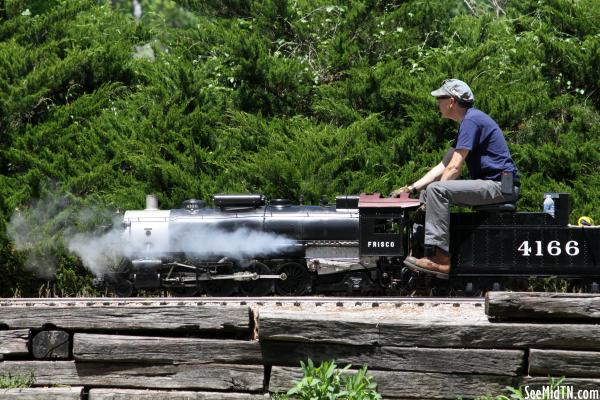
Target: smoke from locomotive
[100, 253]
[44, 227]
[239, 244]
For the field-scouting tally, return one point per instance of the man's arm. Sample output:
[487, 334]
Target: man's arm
[452, 170]
[434, 174]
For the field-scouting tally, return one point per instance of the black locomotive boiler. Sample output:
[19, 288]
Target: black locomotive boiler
[246, 245]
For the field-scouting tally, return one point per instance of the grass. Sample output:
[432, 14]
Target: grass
[17, 381]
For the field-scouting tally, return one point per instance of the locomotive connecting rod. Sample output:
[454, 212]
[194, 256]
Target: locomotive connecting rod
[245, 276]
[237, 276]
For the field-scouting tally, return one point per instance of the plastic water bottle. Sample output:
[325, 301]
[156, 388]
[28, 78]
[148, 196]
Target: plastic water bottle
[549, 205]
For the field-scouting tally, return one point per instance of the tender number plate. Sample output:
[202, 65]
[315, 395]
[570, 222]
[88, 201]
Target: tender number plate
[555, 248]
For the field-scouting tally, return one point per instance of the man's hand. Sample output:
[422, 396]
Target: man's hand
[398, 192]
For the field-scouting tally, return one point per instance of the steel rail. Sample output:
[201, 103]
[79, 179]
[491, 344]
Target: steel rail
[277, 301]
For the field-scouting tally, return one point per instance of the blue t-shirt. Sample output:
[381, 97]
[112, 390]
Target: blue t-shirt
[488, 152]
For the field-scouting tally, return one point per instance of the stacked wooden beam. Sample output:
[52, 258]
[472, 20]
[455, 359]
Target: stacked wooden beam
[170, 349]
[576, 358]
[178, 350]
[420, 352]
[440, 352]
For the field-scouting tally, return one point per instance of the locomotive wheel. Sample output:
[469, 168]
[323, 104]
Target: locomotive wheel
[259, 287]
[297, 280]
[123, 288]
[221, 287]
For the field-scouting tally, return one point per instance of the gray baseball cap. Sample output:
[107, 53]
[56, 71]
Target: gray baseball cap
[455, 88]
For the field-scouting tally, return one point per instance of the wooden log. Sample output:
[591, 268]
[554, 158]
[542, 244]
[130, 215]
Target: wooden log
[491, 335]
[547, 306]
[584, 364]
[470, 361]
[239, 378]
[71, 393]
[363, 329]
[131, 394]
[355, 329]
[418, 385]
[125, 318]
[117, 348]
[14, 342]
[48, 345]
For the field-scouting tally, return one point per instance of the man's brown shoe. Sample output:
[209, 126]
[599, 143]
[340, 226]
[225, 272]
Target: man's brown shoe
[438, 265]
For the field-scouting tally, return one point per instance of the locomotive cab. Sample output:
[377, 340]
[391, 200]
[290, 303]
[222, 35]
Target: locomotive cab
[383, 225]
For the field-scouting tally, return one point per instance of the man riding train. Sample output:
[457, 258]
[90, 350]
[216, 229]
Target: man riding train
[493, 176]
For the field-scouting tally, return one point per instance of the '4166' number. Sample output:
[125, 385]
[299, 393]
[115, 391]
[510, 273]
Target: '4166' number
[553, 248]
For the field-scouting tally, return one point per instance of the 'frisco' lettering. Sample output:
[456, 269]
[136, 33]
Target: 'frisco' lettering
[380, 244]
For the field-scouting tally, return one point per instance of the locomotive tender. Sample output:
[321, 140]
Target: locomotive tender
[356, 246]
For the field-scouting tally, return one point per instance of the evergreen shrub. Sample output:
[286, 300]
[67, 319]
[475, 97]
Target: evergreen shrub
[308, 98]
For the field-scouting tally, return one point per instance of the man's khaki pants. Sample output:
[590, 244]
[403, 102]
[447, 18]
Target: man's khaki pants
[441, 194]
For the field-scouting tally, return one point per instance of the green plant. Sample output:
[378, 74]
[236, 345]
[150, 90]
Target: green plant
[548, 284]
[360, 386]
[18, 381]
[326, 382]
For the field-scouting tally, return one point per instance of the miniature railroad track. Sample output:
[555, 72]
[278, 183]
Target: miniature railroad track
[271, 301]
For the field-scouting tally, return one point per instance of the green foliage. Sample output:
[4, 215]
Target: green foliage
[548, 284]
[307, 98]
[17, 381]
[327, 382]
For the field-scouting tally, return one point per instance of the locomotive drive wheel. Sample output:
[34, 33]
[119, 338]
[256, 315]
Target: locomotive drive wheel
[123, 288]
[297, 280]
[222, 287]
[258, 287]
[183, 284]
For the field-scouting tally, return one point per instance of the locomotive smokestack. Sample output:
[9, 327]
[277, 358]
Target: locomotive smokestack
[151, 202]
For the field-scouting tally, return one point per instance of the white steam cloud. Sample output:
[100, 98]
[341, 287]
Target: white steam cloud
[55, 222]
[99, 253]
[46, 227]
[243, 243]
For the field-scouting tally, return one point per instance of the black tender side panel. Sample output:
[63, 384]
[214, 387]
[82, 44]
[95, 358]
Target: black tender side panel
[521, 244]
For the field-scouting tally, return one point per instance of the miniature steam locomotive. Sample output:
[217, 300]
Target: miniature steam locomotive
[246, 245]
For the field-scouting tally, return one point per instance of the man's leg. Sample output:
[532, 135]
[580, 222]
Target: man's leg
[439, 196]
